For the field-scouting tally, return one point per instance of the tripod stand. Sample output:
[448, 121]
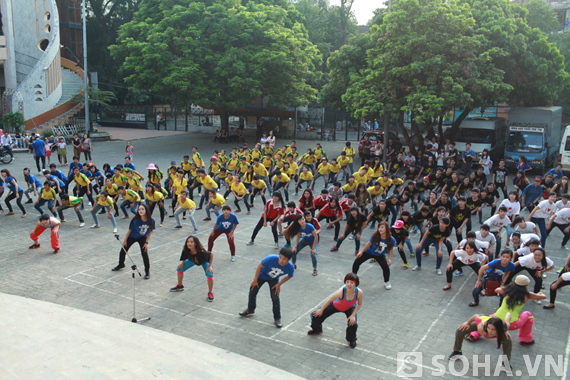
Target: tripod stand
[133, 268]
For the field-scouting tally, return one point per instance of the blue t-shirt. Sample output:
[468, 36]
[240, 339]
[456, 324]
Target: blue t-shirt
[272, 270]
[381, 249]
[11, 185]
[130, 166]
[223, 224]
[59, 174]
[554, 174]
[110, 172]
[496, 269]
[32, 179]
[55, 179]
[73, 166]
[307, 233]
[39, 147]
[139, 228]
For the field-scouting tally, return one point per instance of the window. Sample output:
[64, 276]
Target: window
[43, 44]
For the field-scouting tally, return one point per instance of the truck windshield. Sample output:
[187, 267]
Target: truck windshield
[477, 136]
[524, 142]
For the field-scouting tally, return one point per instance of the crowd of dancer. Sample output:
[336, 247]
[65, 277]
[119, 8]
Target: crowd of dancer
[428, 195]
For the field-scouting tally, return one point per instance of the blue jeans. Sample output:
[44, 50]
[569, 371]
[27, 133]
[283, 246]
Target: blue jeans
[41, 202]
[409, 244]
[427, 242]
[96, 209]
[127, 204]
[181, 210]
[280, 185]
[213, 208]
[318, 175]
[394, 213]
[356, 242]
[541, 224]
[302, 244]
[205, 197]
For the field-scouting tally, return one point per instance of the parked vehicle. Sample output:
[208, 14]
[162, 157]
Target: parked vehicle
[534, 133]
[5, 156]
[374, 137]
[564, 153]
[483, 133]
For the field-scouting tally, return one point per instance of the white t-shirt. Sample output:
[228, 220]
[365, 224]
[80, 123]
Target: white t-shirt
[562, 216]
[513, 208]
[480, 244]
[530, 228]
[495, 222]
[545, 209]
[466, 259]
[61, 145]
[528, 262]
[566, 276]
[490, 239]
[560, 205]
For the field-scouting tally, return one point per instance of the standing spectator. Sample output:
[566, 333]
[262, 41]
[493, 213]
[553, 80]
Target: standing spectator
[7, 143]
[62, 151]
[271, 139]
[76, 142]
[259, 130]
[485, 162]
[38, 147]
[366, 148]
[467, 156]
[86, 147]
[523, 165]
[501, 177]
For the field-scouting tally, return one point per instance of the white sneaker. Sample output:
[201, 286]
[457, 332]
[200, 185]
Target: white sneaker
[233, 258]
[438, 271]
[89, 204]
[81, 224]
[277, 246]
[115, 230]
[538, 302]
[544, 275]
[387, 285]
[95, 226]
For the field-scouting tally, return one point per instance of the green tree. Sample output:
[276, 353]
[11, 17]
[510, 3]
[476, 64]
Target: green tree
[219, 52]
[13, 121]
[541, 16]
[98, 100]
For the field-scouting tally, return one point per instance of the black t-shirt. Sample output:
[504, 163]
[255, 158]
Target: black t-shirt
[435, 233]
[408, 225]
[463, 187]
[452, 186]
[482, 179]
[395, 205]
[421, 186]
[457, 215]
[403, 201]
[490, 198]
[412, 192]
[473, 204]
[409, 174]
[500, 175]
[447, 204]
[396, 164]
[429, 168]
[434, 181]
[432, 207]
[548, 186]
[355, 224]
[399, 234]
[197, 259]
[379, 214]
[418, 217]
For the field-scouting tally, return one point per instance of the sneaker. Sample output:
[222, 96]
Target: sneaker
[177, 288]
[563, 247]
[89, 204]
[233, 258]
[250, 242]
[527, 343]
[417, 267]
[412, 255]
[372, 260]
[34, 246]
[95, 226]
[425, 253]
[313, 332]
[280, 235]
[210, 297]
[406, 266]
[195, 230]
[351, 237]
[115, 230]
[458, 273]
[544, 275]
[483, 292]
[249, 213]
[177, 227]
[438, 271]
[455, 355]
[246, 312]
[29, 201]
[161, 224]
[352, 345]
[356, 252]
[538, 302]
[206, 219]
[56, 251]
[285, 246]
[330, 227]
[334, 249]
[81, 224]
[315, 272]
[387, 285]
[278, 323]
[238, 210]
[146, 275]
[118, 267]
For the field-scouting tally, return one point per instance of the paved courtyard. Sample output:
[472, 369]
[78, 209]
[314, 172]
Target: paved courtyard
[416, 315]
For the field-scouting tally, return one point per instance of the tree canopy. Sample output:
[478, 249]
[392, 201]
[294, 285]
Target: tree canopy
[225, 53]
[541, 16]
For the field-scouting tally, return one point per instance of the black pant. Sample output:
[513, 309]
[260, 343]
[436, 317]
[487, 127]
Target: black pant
[561, 285]
[43, 159]
[317, 322]
[381, 260]
[336, 226]
[274, 297]
[152, 206]
[502, 187]
[402, 254]
[64, 207]
[255, 192]
[457, 265]
[260, 224]
[18, 201]
[561, 227]
[83, 191]
[144, 252]
[532, 272]
[458, 235]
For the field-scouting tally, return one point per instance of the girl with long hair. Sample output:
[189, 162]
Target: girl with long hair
[193, 253]
[140, 230]
[561, 187]
[306, 202]
[363, 198]
[306, 236]
[380, 244]
[274, 208]
[330, 211]
[153, 197]
[469, 256]
[536, 265]
[513, 209]
[354, 225]
[16, 192]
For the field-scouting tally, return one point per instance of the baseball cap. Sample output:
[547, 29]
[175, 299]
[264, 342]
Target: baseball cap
[538, 179]
[399, 224]
[172, 162]
[426, 178]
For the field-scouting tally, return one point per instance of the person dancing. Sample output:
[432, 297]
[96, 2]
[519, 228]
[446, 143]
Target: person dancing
[43, 224]
[347, 300]
[274, 208]
[225, 224]
[194, 254]
[380, 243]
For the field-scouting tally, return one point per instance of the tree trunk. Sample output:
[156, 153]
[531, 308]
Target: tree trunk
[451, 132]
[409, 140]
[225, 119]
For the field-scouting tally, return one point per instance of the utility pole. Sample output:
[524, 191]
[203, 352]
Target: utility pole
[386, 113]
[85, 75]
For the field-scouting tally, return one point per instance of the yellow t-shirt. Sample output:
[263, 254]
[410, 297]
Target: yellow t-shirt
[107, 202]
[349, 188]
[335, 168]
[255, 154]
[223, 158]
[154, 197]
[319, 153]
[208, 182]
[372, 190]
[185, 166]
[229, 181]
[308, 159]
[134, 183]
[111, 190]
[387, 183]
[48, 195]
[268, 162]
[232, 164]
[131, 196]
[349, 152]
[280, 164]
[308, 176]
[214, 166]
[218, 200]
[293, 168]
[119, 180]
[188, 204]
[260, 170]
[284, 178]
[268, 149]
[239, 189]
[343, 162]
[243, 167]
[360, 179]
[180, 185]
[397, 181]
[82, 179]
[324, 168]
[197, 159]
[259, 185]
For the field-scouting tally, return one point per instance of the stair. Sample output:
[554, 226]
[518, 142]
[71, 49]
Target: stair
[71, 84]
